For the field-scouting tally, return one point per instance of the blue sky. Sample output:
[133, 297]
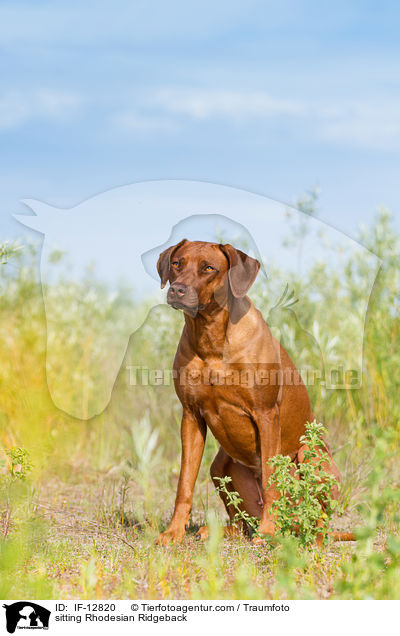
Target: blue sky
[274, 98]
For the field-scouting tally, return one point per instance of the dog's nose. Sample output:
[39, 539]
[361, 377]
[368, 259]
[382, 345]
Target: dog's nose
[177, 289]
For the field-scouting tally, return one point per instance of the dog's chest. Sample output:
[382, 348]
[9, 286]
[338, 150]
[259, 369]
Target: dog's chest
[216, 384]
[225, 397]
[216, 387]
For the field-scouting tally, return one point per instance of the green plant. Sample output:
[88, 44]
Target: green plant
[8, 249]
[20, 464]
[286, 558]
[305, 503]
[234, 499]
[12, 487]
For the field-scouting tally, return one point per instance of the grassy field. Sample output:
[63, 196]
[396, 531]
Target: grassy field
[82, 502]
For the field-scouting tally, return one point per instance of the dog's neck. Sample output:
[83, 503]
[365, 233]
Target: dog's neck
[207, 331]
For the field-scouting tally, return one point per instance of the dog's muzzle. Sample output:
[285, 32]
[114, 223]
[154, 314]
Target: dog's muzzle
[180, 296]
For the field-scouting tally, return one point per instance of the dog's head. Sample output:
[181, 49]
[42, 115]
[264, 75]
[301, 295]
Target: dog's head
[200, 273]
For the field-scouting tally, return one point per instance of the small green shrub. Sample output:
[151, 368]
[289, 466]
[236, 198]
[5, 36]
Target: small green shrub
[305, 503]
[19, 462]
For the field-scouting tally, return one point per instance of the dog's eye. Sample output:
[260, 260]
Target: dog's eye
[175, 264]
[208, 268]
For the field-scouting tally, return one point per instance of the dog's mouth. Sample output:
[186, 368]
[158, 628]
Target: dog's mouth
[187, 309]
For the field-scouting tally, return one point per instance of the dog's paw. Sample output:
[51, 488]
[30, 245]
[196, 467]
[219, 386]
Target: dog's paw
[267, 526]
[171, 535]
[267, 540]
[257, 540]
[229, 531]
[202, 533]
[266, 532]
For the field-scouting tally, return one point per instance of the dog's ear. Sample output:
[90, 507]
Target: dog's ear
[242, 272]
[164, 262]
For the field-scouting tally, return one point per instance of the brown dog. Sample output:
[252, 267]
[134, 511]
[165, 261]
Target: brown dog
[232, 376]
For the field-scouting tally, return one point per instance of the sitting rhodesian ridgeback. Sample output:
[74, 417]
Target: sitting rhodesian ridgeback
[233, 377]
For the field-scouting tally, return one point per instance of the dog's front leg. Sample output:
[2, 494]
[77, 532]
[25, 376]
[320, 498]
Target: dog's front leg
[193, 436]
[269, 431]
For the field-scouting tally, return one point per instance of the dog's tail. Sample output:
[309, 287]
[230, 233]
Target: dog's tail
[342, 536]
[335, 536]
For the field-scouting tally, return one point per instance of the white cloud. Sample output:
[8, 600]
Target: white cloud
[51, 102]
[234, 105]
[136, 122]
[374, 125]
[166, 110]
[19, 107]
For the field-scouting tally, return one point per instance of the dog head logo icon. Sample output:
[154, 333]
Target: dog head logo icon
[26, 615]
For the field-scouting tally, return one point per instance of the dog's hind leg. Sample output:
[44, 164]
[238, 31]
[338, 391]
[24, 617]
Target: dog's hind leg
[244, 482]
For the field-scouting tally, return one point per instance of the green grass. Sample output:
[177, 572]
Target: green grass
[84, 520]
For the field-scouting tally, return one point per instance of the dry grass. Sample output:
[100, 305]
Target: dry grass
[91, 553]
